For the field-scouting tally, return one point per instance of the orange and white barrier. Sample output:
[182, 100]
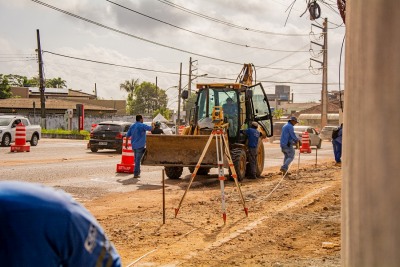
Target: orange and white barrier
[181, 127]
[305, 143]
[127, 164]
[20, 139]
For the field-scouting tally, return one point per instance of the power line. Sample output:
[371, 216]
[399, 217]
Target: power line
[130, 35]
[224, 22]
[110, 64]
[203, 35]
[141, 38]
[165, 72]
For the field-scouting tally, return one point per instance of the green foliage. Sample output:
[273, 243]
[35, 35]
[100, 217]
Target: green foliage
[17, 80]
[164, 111]
[189, 104]
[61, 132]
[56, 83]
[5, 89]
[278, 113]
[145, 98]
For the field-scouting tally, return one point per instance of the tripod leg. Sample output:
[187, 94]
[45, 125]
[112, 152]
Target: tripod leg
[195, 171]
[234, 175]
[221, 176]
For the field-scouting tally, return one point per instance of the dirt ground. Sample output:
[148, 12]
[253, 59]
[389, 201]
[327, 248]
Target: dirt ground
[292, 221]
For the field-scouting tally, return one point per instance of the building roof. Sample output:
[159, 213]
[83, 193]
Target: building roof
[317, 116]
[51, 104]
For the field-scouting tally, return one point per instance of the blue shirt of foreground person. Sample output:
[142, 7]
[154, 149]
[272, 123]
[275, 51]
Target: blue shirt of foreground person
[137, 133]
[40, 226]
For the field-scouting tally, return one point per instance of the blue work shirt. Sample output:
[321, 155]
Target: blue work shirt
[253, 136]
[288, 137]
[339, 138]
[40, 226]
[137, 133]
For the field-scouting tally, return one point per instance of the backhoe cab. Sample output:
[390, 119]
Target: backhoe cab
[238, 105]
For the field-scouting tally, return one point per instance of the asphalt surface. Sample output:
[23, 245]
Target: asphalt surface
[69, 165]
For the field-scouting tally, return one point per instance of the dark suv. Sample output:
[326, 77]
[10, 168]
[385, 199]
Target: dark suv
[108, 135]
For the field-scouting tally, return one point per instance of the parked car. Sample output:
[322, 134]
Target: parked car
[315, 140]
[326, 132]
[164, 127]
[108, 135]
[8, 124]
[277, 130]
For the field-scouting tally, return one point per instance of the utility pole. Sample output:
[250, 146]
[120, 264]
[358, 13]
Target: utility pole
[178, 123]
[41, 84]
[95, 90]
[324, 96]
[324, 65]
[190, 76]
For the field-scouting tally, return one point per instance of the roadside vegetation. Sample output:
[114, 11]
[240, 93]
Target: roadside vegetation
[84, 133]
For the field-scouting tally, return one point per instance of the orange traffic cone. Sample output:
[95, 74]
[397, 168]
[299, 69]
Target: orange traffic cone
[127, 164]
[20, 139]
[305, 143]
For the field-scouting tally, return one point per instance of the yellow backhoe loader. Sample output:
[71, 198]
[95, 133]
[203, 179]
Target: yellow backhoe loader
[242, 102]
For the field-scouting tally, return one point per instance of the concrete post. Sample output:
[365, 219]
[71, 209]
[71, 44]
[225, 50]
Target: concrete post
[371, 170]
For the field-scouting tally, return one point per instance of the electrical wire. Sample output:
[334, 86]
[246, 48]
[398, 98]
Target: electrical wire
[203, 35]
[112, 64]
[131, 35]
[224, 22]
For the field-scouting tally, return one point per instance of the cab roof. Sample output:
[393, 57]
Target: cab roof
[220, 85]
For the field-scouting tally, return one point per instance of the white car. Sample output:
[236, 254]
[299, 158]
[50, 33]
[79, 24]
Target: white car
[8, 126]
[315, 140]
[164, 127]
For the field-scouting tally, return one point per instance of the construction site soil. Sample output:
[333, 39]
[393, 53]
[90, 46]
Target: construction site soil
[292, 221]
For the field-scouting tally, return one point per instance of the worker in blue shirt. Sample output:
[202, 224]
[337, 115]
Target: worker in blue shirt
[137, 133]
[253, 136]
[337, 146]
[42, 227]
[288, 139]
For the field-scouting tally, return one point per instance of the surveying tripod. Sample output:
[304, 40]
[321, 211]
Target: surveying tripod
[222, 149]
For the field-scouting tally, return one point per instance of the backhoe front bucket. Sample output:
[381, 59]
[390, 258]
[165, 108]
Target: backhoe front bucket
[179, 150]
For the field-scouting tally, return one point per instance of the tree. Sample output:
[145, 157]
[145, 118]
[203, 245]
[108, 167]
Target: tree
[148, 99]
[17, 80]
[278, 113]
[5, 88]
[129, 86]
[56, 83]
[189, 104]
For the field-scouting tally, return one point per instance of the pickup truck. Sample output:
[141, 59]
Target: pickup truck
[7, 130]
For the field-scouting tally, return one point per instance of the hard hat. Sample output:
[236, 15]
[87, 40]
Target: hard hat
[157, 123]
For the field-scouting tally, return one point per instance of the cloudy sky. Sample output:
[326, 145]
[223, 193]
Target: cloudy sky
[145, 39]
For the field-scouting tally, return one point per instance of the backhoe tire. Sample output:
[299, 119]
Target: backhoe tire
[260, 159]
[173, 172]
[201, 171]
[239, 162]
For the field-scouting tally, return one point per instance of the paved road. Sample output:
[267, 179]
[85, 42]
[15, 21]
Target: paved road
[67, 164]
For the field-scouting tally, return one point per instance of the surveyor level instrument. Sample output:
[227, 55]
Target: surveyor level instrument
[222, 149]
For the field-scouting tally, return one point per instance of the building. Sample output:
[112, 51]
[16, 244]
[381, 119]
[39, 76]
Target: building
[58, 101]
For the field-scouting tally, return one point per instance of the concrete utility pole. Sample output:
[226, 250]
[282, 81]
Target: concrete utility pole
[190, 76]
[41, 84]
[324, 93]
[370, 180]
[178, 123]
